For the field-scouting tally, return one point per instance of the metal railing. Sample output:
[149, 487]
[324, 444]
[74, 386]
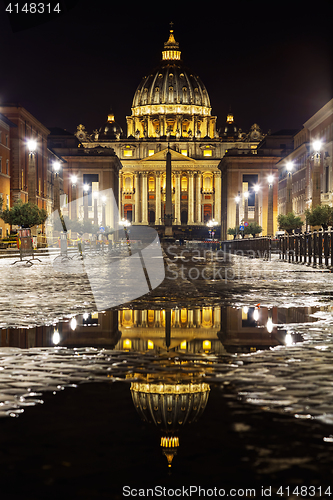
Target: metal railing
[314, 248]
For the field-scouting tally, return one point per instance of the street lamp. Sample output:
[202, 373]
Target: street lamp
[246, 206]
[289, 201]
[56, 194]
[237, 200]
[211, 224]
[316, 187]
[256, 189]
[270, 227]
[32, 186]
[86, 188]
[95, 194]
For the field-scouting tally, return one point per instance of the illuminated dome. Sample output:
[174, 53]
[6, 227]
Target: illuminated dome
[171, 87]
[169, 406]
[110, 130]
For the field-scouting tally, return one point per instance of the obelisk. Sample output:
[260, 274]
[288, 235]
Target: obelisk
[168, 216]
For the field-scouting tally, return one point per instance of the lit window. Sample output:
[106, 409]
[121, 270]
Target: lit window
[184, 183]
[151, 184]
[184, 152]
[151, 152]
[150, 344]
[128, 152]
[127, 344]
[207, 152]
[183, 344]
[206, 345]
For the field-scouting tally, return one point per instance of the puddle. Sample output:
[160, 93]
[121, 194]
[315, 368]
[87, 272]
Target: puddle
[171, 358]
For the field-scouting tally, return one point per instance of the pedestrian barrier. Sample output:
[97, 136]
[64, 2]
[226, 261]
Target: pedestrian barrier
[312, 248]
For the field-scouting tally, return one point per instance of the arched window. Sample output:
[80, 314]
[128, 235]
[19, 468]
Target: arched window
[207, 182]
[128, 183]
[184, 183]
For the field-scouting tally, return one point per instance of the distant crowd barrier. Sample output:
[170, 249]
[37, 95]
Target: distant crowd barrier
[253, 247]
[314, 248]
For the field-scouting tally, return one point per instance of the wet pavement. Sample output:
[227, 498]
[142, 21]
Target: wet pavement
[243, 346]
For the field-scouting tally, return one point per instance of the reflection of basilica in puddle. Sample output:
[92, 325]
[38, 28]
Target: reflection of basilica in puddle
[178, 342]
[216, 330]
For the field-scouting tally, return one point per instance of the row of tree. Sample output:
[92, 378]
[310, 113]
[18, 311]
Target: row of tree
[321, 215]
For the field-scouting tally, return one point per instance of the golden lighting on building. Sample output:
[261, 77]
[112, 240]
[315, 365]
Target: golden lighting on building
[150, 344]
[151, 152]
[127, 344]
[128, 152]
[207, 152]
[183, 344]
[110, 117]
[184, 152]
[230, 118]
[207, 345]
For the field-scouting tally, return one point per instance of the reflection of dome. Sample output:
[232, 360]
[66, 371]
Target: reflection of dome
[171, 84]
[169, 406]
[110, 130]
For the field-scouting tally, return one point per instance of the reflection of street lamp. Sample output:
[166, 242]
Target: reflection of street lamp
[316, 188]
[270, 228]
[32, 147]
[211, 224]
[289, 202]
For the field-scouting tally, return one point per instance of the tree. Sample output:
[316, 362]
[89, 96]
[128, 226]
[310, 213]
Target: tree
[289, 222]
[233, 231]
[321, 215]
[23, 214]
[253, 228]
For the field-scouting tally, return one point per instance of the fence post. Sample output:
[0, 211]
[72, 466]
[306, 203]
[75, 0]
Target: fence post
[309, 247]
[314, 248]
[320, 248]
[326, 248]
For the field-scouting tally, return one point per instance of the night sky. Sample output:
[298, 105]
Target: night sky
[270, 62]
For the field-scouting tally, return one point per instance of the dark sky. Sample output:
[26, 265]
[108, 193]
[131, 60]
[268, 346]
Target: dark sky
[270, 61]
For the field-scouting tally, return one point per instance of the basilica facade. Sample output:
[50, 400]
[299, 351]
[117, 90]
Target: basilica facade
[171, 111]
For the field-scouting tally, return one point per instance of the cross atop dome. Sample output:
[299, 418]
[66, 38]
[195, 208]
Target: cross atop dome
[171, 48]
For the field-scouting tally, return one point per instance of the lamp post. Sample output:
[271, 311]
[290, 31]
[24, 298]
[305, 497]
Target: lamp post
[32, 148]
[103, 211]
[246, 206]
[126, 224]
[256, 203]
[56, 194]
[237, 200]
[316, 187]
[289, 201]
[270, 227]
[95, 207]
[86, 188]
[211, 224]
[73, 213]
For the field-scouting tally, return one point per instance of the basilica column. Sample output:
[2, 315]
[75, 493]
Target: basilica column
[190, 203]
[137, 218]
[177, 198]
[158, 199]
[144, 198]
[120, 195]
[198, 198]
[217, 197]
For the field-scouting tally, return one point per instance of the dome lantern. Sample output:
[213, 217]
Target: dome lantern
[171, 49]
